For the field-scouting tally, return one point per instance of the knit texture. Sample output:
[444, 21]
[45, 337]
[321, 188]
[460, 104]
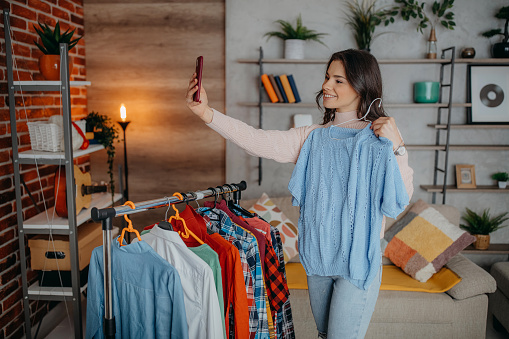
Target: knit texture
[344, 181]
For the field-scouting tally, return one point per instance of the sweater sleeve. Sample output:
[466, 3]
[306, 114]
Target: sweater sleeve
[281, 146]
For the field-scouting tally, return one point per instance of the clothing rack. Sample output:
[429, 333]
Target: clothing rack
[106, 215]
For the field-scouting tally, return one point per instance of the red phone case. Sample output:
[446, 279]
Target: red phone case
[199, 71]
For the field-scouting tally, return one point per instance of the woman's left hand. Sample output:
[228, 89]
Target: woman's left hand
[386, 127]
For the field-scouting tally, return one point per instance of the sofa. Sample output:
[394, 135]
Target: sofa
[461, 312]
[499, 301]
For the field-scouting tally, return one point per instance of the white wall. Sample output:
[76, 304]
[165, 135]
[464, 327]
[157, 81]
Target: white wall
[247, 22]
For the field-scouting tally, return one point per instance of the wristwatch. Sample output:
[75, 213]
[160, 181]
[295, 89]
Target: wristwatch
[401, 150]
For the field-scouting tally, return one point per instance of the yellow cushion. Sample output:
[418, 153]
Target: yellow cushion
[393, 279]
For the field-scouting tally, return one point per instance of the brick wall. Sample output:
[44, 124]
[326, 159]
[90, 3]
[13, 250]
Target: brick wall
[30, 106]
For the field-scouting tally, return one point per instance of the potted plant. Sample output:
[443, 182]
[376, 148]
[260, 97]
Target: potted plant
[500, 49]
[481, 226]
[104, 133]
[502, 178]
[363, 18]
[49, 63]
[294, 37]
[411, 9]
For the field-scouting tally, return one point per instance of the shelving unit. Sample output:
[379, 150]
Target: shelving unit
[441, 127]
[47, 222]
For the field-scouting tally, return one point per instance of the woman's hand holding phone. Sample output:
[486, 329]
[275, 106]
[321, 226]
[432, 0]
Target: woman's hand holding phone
[200, 108]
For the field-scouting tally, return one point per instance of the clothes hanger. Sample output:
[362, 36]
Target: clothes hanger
[165, 225]
[238, 208]
[129, 227]
[363, 118]
[211, 209]
[187, 232]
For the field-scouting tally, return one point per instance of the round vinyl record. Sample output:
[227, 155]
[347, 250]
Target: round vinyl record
[491, 95]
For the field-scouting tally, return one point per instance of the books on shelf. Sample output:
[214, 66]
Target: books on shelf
[281, 88]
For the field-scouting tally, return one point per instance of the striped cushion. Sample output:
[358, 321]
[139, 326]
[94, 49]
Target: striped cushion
[423, 241]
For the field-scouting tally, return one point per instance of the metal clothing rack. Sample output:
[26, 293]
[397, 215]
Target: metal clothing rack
[106, 215]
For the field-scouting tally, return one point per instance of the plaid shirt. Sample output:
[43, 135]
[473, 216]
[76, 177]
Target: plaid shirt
[284, 319]
[249, 245]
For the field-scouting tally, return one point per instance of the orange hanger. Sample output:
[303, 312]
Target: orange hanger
[178, 217]
[129, 227]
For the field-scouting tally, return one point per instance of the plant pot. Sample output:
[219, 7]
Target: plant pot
[294, 49]
[500, 50]
[502, 184]
[49, 65]
[426, 91]
[482, 241]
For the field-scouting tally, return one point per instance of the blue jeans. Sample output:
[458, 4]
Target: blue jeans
[342, 310]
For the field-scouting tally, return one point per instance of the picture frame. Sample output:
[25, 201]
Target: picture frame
[465, 176]
[488, 92]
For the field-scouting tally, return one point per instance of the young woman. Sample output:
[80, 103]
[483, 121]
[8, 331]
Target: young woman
[345, 182]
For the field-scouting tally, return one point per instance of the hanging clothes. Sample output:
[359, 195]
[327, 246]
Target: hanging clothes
[201, 303]
[246, 243]
[148, 299]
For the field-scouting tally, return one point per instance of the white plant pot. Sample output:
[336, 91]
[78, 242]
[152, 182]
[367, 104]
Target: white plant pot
[294, 49]
[502, 184]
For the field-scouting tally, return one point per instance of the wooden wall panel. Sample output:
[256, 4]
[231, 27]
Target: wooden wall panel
[142, 54]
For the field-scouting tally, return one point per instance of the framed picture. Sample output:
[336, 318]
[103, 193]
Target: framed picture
[465, 176]
[489, 94]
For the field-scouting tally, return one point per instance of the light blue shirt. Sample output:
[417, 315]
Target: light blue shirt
[148, 301]
[344, 181]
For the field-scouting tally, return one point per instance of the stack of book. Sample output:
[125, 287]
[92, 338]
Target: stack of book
[281, 88]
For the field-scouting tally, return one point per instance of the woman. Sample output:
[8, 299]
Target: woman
[336, 244]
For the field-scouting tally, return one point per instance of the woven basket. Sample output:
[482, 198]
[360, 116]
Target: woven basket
[45, 136]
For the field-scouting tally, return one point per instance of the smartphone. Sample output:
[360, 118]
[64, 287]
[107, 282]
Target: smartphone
[199, 72]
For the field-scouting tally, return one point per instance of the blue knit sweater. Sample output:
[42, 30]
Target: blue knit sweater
[344, 181]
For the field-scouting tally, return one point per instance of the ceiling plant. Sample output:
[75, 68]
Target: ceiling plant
[500, 49]
[49, 62]
[440, 13]
[294, 36]
[363, 17]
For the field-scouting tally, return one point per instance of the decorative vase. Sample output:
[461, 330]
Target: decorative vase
[482, 241]
[500, 50]
[294, 49]
[431, 50]
[468, 53]
[502, 184]
[426, 92]
[49, 65]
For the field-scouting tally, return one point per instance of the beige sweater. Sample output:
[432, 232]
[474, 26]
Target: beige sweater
[284, 146]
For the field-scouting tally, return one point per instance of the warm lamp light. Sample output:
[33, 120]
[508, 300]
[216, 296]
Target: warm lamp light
[123, 113]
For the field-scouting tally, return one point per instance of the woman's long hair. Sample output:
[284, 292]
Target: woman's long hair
[363, 74]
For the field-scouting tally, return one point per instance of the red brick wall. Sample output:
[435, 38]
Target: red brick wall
[37, 106]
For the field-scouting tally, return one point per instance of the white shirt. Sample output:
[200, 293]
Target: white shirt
[200, 298]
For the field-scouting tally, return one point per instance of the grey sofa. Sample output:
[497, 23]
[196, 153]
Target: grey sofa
[499, 301]
[458, 313]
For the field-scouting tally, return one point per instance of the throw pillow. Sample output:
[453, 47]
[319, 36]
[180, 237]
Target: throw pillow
[266, 209]
[423, 241]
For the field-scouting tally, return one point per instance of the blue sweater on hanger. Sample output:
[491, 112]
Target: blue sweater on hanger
[344, 181]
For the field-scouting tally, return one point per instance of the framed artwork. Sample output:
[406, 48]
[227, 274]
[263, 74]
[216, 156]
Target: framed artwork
[465, 176]
[488, 92]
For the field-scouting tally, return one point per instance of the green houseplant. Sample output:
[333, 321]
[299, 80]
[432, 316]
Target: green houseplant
[49, 62]
[481, 226]
[363, 18]
[502, 178]
[294, 37]
[500, 49]
[105, 133]
[440, 14]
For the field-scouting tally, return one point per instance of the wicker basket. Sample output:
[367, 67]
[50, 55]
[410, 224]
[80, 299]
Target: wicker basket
[46, 136]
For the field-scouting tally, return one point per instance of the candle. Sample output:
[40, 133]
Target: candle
[123, 113]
